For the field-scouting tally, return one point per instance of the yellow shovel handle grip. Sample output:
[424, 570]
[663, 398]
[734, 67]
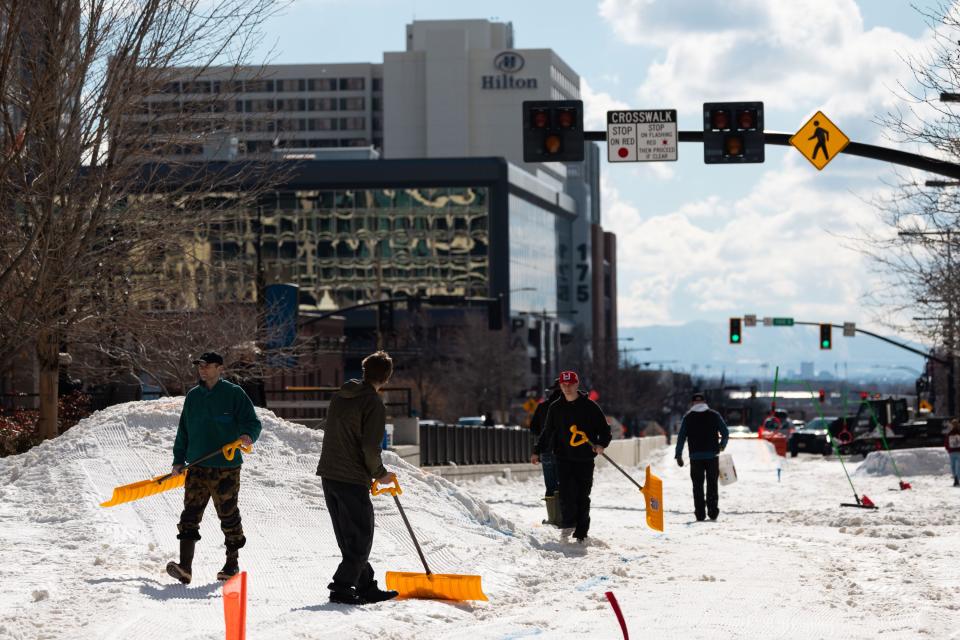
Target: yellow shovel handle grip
[577, 437]
[230, 449]
[393, 488]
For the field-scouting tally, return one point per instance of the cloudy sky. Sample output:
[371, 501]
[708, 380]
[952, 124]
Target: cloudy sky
[700, 242]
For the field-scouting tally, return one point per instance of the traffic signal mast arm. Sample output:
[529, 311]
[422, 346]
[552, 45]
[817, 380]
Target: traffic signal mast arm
[874, 152]
[879, 337]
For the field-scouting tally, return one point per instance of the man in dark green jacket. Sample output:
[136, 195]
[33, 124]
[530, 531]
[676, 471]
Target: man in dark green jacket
[349, 462]
[215, 413]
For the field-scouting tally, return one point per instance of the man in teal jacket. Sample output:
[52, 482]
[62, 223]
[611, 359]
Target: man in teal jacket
[215, 413]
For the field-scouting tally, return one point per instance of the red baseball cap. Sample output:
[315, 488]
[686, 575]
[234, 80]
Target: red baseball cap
[569, 377]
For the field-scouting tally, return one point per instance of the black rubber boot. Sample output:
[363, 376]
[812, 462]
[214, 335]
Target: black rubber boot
[231, 567]
[373, 594]
[956, 481]
[183, 570]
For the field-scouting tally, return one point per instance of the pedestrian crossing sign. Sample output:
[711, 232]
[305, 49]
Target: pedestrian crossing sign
[819, 140]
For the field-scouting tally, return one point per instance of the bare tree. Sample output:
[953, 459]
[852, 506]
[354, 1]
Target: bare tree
[81, 217]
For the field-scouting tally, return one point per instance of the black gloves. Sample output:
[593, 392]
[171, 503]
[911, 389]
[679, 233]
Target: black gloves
[679, 461]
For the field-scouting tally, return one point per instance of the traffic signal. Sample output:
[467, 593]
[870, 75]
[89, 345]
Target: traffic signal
[732, 132]
[736, 331]
[553, 130]
[495, 314]
[825, 340]
[823, 396]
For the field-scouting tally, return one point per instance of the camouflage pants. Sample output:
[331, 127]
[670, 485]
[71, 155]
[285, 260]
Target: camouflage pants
[221, 484]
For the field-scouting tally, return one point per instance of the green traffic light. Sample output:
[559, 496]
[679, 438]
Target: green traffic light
[825, 344]
[735, 338]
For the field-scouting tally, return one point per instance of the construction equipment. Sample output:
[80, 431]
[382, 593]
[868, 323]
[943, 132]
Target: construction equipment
[652, 488]
[159, 484]
[429, 585]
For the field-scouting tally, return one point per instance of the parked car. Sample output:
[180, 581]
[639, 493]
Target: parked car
[740, 431]
[471, 421]
[813, 437]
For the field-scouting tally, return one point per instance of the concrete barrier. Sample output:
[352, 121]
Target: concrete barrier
[633, 451]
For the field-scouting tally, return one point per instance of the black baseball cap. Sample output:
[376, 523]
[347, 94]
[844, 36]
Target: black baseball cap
[210, 357]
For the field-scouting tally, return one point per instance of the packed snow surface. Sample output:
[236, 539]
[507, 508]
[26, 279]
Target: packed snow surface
[784, 560]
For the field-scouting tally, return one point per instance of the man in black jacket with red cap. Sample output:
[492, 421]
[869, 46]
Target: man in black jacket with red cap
[576, 431]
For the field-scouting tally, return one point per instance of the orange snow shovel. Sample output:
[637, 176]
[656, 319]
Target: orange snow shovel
[429, 585]
[652, 488]
[159, 484]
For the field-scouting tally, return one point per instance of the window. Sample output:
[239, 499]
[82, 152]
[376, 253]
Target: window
[377, 84]
[322, 104]
[322, 84]
[321, 124]
[321, 143]
[259, 106]
[351, 104]
[351, 84]
[259, 86]
[291, 85]
[353, 124]
[354, 142]
[377, 104]
[291, 104]
[197, 86]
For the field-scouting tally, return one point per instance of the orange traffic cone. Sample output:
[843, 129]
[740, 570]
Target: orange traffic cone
[235, 606]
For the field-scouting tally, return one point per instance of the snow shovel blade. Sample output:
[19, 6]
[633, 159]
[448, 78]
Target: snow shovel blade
[653, 495]
[435, 586]
[144, 488]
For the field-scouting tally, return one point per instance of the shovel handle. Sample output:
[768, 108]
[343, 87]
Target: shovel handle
[393, 488]
[228, 450]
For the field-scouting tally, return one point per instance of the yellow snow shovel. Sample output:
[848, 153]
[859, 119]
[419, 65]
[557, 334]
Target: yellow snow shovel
[652, 488]
[429, 585]
[159, 484]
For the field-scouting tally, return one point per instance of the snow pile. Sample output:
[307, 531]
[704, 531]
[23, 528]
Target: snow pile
[70, 569]
[928, 461]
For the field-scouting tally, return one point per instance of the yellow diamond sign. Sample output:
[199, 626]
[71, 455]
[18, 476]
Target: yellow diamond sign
[819, 140]
[530, 405]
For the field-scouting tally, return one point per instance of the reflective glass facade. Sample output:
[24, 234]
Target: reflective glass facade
[533, 257]
[345, 246]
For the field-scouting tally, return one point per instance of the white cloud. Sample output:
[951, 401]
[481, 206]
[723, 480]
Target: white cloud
[774, 250]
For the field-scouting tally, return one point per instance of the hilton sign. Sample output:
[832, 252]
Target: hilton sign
[508, 63]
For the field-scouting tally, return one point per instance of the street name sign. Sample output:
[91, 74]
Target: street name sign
[642, 136]
[783, 322]
[819, 140]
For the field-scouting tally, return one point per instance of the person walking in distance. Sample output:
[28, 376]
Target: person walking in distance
[215, 413]
[707, 434]
[547, 459]
[349, 461]
[570, 419]
[952, 443]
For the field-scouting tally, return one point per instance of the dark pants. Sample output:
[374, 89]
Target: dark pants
[221, 484]
[709, 470]
[576, 481]
[549, 463]
[352, 515]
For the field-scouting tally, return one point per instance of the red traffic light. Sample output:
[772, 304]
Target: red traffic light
[823, 395]
[720, 119]
[747, 119]
[540, 119]
[566, 118]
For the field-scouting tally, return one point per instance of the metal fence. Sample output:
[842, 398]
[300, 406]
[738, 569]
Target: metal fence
[297, 403]
[442, 444]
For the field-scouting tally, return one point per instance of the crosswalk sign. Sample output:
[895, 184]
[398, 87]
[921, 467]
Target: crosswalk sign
[819, 140]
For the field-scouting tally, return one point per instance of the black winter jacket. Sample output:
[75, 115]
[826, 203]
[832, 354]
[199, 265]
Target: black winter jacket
[539, 417]
[562, 414]
[353, 435]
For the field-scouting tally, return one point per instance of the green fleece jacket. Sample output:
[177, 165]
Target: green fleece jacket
[212, 418]
[353, 434]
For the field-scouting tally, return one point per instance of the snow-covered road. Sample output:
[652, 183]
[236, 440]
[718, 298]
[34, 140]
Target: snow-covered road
[783, 561]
